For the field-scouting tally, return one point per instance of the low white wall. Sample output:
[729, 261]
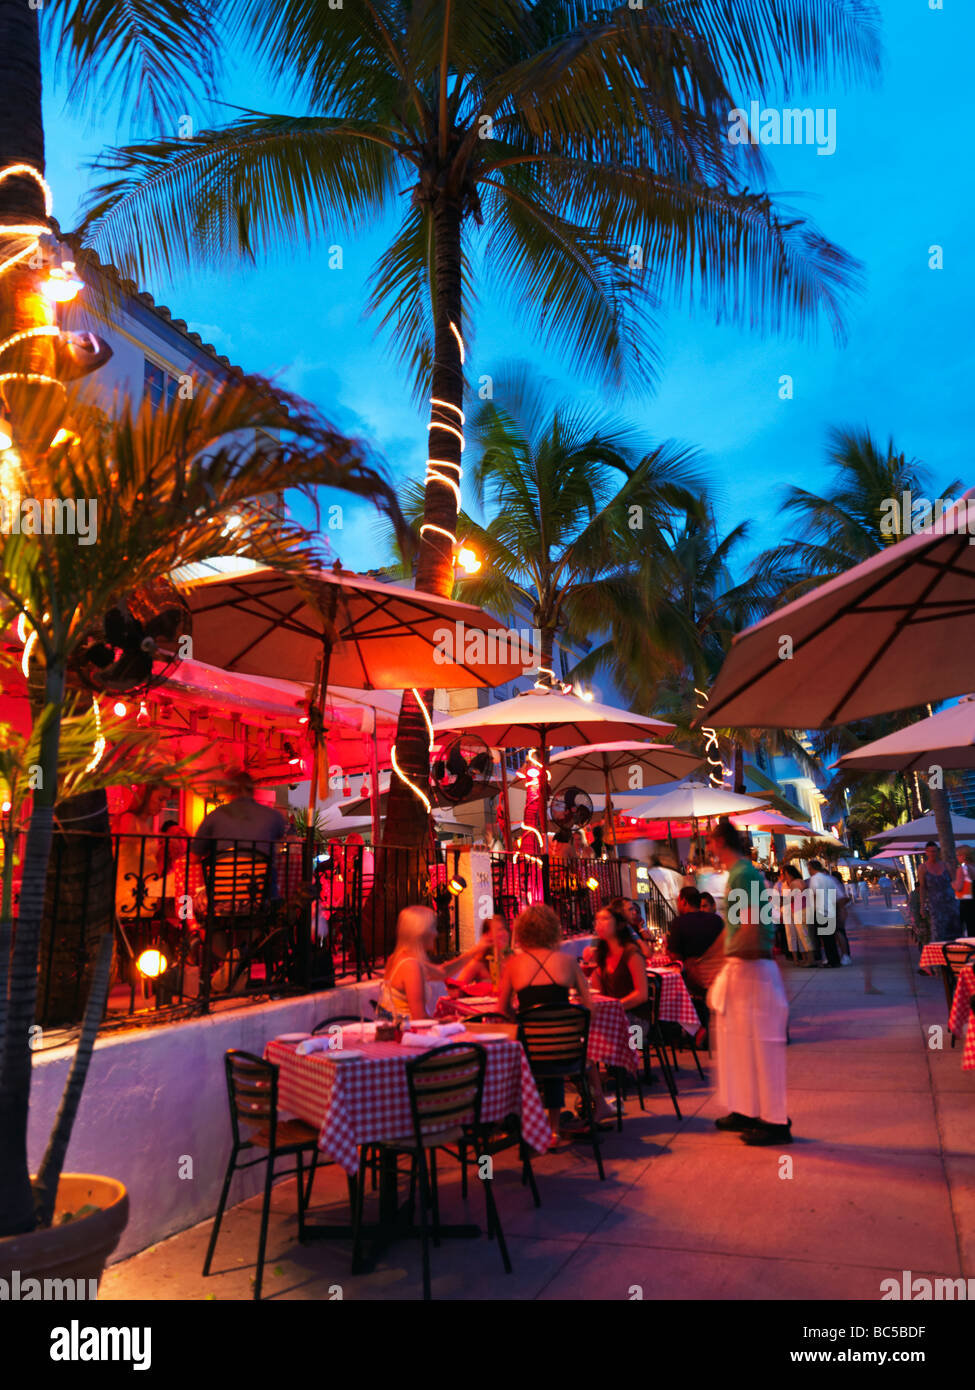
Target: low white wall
[158, 1097]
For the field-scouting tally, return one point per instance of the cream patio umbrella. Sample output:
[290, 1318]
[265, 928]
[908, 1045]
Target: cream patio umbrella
[891, 633]
[921, 830]
[611, 767]
[695, 801]
[543, 718]
[946, 739]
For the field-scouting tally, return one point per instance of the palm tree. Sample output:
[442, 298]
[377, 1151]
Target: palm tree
[578, 507]
[851, 519]
[696, 605]
[165, 482]
[839, 528]
[574, 160]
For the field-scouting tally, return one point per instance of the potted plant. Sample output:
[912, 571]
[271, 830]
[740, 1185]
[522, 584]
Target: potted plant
[165, 483]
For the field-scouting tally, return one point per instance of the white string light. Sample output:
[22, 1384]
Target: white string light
[33, 231]
[711, 743]
[98, 752]
[417, 791]
[444, 471]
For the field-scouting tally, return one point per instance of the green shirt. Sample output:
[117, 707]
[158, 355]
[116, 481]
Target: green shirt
[748, 894]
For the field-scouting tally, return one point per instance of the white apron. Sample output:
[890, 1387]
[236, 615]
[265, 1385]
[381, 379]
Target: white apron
[749, 1016]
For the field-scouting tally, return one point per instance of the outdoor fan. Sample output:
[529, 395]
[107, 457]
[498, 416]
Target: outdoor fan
[460, 767]
[137, 634]
[570, 809]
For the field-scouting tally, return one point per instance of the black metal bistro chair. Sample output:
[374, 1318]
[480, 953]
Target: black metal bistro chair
[555, 1038]
[252, 1088]
[445, 1085]
[958, 954]
[237, 883]
[648, 1016]
[504, 1135]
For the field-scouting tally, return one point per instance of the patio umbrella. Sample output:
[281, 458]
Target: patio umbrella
[922, 830]
[695, 801]
[890, 633]
[946, 739]
[374, 636]
[347, 628]
[541, 719]
[609, 767]
[772, 821]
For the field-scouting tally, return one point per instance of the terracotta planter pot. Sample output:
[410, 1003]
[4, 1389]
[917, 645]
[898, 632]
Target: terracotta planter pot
[75, 1249]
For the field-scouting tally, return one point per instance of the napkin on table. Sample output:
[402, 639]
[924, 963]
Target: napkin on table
[322, 1043]
[420, 1040]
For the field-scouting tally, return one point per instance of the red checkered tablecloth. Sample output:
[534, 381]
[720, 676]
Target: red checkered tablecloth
[366, 1099]
[960, 1018]
[933, 954]
[676, 1004]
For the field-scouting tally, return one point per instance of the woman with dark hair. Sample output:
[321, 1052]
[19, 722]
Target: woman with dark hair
[937, 889]
[620, 970]
[748, 1004]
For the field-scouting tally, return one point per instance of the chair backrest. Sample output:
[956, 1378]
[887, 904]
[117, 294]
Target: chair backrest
[237, 881]
[487, 1017]
[446, 1085]
[958, 954]
[555, 1037]
[252, 1087]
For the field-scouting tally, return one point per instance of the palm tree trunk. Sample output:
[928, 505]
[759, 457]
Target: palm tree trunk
[406, 817]
[16, 1196]
[22, 201]
[49, 1173]
[739, 769]
[941, 810]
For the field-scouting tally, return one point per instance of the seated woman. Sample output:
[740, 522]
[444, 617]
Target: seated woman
[540, 973]
[412, 984]
[620, 970]
[489, 966]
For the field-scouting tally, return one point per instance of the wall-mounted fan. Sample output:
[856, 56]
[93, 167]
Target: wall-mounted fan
[138, 644]
[460, 767]
[570, 809]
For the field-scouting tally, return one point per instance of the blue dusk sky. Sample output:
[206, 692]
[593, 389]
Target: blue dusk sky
[897, 183]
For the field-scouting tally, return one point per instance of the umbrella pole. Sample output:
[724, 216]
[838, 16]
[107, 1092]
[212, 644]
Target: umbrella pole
[543, 813]
[374, 779]
[504, 802]
[610, 818]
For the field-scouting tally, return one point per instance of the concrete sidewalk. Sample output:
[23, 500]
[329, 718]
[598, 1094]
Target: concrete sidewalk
[880, 1179]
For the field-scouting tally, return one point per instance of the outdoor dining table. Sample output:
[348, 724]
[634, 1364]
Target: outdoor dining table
[960, 1017]
[363, 1099]
[933, 954]
[609, 1027]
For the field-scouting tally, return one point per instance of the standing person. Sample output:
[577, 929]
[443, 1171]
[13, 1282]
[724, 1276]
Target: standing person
[793, 910]
[822, 914]
[845, 899]
[887, 888]
[748, 1004]
[965, 890]
[664, 874]
[938, 895]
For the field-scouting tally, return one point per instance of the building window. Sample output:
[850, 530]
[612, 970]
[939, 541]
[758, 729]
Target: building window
[159, 385]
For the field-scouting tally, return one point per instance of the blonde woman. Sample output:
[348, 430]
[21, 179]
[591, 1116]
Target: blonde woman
[412, 984]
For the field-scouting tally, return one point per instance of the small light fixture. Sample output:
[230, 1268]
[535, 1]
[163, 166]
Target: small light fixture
[592, 883]
[6, 434]
[292, 755]
[467, 559]
[120, 709]
[456, 885]
[152, 963]
[5, 808]
[62, 283]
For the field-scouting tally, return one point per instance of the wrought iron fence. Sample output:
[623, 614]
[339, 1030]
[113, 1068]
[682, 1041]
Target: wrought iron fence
[245, 921]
